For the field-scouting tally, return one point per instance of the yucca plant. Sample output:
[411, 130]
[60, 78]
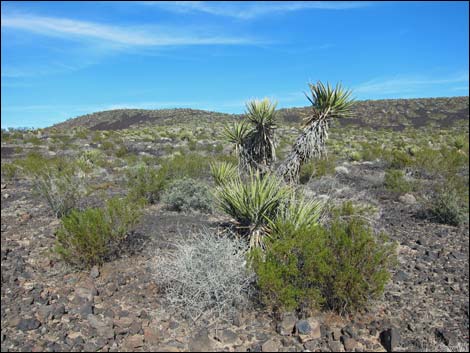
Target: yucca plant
[296, 213]
[236, 134]
[252, 202]
[223, 172]
[259, 148]
[327, 103]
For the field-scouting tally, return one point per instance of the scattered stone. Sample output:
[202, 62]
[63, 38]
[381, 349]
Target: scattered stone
[28, 324]
[349, 343]
[87, 291]
[311, 329]
[390, 339]
[95, 272]
[271, 345]
[335, 346]
[287, 324]
[445, 336]
[341, 170]
[153, 336]
[336, 333]
[407, 199]
[103, 327]
[132, 342]
[228, 337]
[201, 342]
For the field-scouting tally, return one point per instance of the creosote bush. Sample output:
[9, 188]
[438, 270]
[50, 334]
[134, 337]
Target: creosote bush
[445, 206]
[147, 182]
[395, 181]
[340, 266]
[184, 195]
[56, 180]
[89, 237]
[205, 276]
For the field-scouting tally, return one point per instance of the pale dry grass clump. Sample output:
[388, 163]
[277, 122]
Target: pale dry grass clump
[205, 276]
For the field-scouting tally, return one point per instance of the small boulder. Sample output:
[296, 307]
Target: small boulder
[271, 345]
[308, 329]
[407, 199]
[286, 326]
[390, 339]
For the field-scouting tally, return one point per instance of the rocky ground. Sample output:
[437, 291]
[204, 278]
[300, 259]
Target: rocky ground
[47, 306]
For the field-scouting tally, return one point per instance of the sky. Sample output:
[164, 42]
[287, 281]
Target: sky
[63, 59]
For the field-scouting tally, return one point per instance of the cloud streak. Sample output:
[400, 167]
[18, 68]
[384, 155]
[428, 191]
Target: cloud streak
[406, 84]
[250, 10]
[119, 36]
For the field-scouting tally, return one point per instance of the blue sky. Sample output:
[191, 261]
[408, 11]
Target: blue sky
[63, 59]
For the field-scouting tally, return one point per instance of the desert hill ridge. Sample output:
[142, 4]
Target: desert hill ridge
[394, 114]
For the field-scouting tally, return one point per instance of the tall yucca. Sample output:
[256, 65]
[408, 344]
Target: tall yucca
[252, 202]
[259, 148]
[327, 103]
[236, 134]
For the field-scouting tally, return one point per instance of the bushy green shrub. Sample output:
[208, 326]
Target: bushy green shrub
[317, 168]
[445, 205]
[187, 165]
[355, 156]
[340, 267]
[371, 151]
[395, 181]
[57, 180]
[86, 238]
[399, 159]
[147, 182]
[186, 195]
[9, 170]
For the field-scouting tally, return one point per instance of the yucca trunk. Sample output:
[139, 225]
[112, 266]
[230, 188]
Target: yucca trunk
[311, 143]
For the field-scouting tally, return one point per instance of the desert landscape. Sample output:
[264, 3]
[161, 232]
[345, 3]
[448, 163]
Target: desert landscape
[400, 166]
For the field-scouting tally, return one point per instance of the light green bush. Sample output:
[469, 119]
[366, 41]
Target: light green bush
[147, 182]
[395, 181]
[186, 195]
[89, 237]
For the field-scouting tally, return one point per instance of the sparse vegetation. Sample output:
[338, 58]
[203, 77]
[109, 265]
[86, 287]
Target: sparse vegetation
[341, 266]
[184, 195]
[205, 276]
[91, 236]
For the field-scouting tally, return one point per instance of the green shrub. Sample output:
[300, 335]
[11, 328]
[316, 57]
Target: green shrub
[188, 165]
[89, 237]
[339, 267]
[185, 195]
[9, 170]
[445, 205]
[355, 156]
[147, 182]
[399, 159]
[371, 151]
[395, 181]
[316, 169]
[56, 180]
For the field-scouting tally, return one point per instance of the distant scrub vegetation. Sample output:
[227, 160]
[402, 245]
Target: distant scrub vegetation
[287, 249]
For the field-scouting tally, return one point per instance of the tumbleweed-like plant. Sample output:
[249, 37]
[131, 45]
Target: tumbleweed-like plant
[327, 103]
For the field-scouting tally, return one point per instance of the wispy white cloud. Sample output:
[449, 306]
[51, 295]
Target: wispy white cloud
[246, 10]
[149, 36]
[407, 84]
